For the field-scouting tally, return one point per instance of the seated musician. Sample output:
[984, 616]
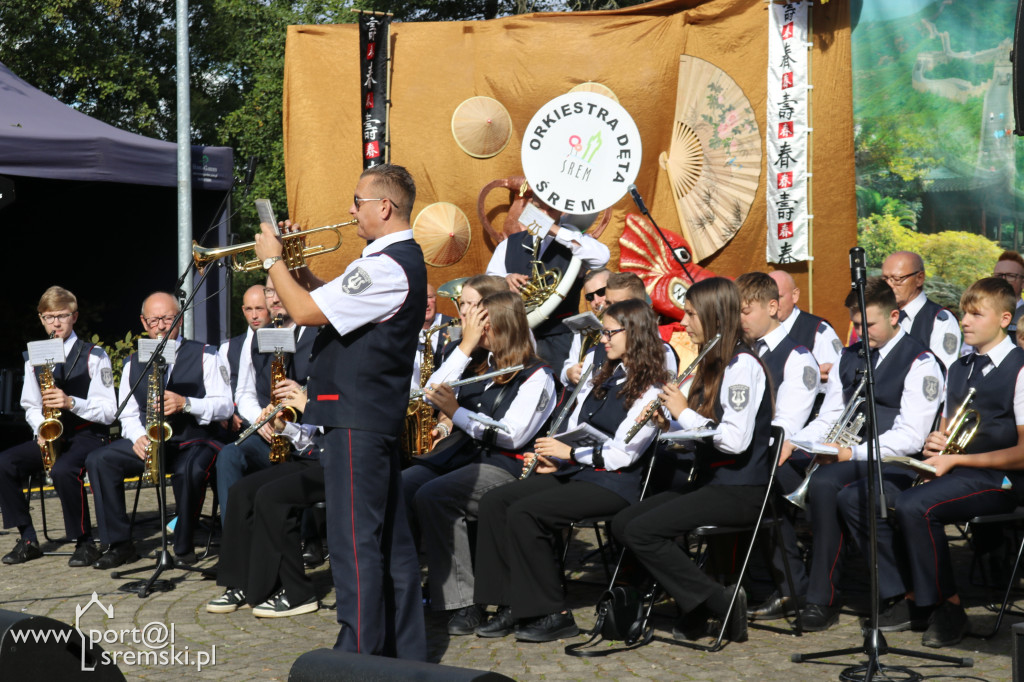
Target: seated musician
[733, 468]
[523, 401]
[261, 564]
[520, 523]
[794, 377]
[255, 391]
[986, 478]
[83, 392]
[197, 395]
[594, 288]
[234, 353]
[908, 391]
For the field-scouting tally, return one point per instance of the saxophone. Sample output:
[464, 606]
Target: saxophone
[419, 415]
[51, 428]
[279, 445]
[154, 425]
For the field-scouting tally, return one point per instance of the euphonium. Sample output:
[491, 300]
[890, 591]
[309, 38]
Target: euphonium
[419, 415]
[845, 432]
[51, 428]
[958, 433]
[154, 425]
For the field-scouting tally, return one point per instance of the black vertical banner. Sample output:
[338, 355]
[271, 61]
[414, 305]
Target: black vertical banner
[373, 69]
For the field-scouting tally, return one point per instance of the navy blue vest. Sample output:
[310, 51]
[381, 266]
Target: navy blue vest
[72, 377]
[925, 322]
[750, 467]
[993, 400]
[478, 399]
[186, 379]
[234, 356]
[806, 328]
[296, 365]
[361, 380]
[518, 255]
[775, 361]
[889, 376]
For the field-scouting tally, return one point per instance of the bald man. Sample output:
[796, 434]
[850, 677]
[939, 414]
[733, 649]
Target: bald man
[925, 320]
[236, 350]
[806, 329]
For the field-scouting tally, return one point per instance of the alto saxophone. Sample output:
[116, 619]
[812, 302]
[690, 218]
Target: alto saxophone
[154, 425]
[279, 445]
[419, 415]
[51, 429]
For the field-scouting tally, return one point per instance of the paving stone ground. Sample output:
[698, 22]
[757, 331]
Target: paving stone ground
[247, 648]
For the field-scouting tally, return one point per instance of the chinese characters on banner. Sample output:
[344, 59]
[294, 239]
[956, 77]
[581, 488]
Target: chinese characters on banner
[373, 70]
[787, 133]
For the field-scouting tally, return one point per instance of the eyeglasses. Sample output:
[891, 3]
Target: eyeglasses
[358, 201]
[894, 280]
[50, 319]
[1007, 275]
[594, 294]
[269, 293]
[609, 333]
[154, 321]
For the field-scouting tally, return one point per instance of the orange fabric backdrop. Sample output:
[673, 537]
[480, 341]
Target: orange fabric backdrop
[527, 60]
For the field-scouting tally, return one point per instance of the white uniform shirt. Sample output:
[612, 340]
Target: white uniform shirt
[912, 424]
[246, 398]
[671, 365]
[244, 358]
[415, 381]
[945, 339]
[593, 253]
[827, 346]
[997, 355]
[98, 406]
[736, 429]
[801, 381]
[216, 405]
[617, 454]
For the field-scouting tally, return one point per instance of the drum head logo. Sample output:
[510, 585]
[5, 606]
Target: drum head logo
[581, 152]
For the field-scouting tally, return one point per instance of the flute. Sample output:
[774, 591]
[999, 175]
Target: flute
[258, 424]
[528, 469]
[419, 392]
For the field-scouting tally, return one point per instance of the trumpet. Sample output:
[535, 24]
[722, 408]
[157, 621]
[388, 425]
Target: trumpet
[295, 252]
[958, 433]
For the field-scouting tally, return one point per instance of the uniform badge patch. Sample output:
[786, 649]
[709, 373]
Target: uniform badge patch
[543, 402]
[107, 377]
[837, 345]
[930, 388]
[739, 396]
[810, 378]
[949, 343]
[356, 282]
[225, 375]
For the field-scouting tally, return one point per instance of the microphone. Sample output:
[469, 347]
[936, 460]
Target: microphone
[638, 200]
[858, 266]
[250, 172]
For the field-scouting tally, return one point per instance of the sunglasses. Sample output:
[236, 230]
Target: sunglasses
[593, 294]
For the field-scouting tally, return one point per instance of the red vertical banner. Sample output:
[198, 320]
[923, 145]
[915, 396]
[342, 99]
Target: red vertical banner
[373, 70]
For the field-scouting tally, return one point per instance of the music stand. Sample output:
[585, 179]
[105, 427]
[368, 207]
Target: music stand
[874, 645]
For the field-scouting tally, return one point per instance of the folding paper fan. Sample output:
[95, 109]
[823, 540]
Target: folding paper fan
[594, 86]
[714, 160]
[481, 126]
[442, 231]
[642, 251]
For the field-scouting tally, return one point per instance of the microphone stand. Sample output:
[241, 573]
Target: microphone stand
[164, 561]
[638, 200]
[874, 645]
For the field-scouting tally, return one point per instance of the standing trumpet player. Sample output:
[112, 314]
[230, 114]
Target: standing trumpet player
[83, 394]
[985, 478]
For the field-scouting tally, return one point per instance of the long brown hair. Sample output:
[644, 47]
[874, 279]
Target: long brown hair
[645, 353]
[716, 302]
[510, 333]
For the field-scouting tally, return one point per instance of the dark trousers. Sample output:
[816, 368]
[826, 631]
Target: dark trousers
[827, 486]
[650, 528]
[190, 464]
[234, 462]
[516, 560]
[261, 549]
[921, 515]
[21, 461]
[373, 558]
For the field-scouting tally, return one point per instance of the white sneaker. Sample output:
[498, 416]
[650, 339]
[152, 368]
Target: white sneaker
[278, 607]
[229, 602]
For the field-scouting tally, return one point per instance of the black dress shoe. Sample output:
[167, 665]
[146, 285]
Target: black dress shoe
[549, 628]
[946, 626]
[85, 554]
[816, 618]
[466, 620]
[185, 558]
[500, 624]
[24, 550]
[313, 556]
[775, 607]
[736, 630]
[121, 553]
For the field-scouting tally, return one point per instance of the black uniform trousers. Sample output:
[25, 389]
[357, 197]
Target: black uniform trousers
[190, 464]
[650, 528]
[921, 515]
[828, 485]
[68, 473]
[517, 537]
[261, 549]
[373, 558]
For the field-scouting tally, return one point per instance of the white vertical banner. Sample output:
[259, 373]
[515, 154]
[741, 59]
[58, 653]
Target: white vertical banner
[787, 132]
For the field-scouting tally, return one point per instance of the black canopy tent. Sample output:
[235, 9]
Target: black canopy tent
[95, 210]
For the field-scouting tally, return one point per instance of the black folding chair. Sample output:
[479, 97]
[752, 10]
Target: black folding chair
[1014, 517]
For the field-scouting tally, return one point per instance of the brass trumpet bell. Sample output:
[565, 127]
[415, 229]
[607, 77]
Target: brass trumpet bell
[295, 252]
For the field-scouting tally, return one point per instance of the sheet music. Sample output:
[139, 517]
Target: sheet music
[270, 340]
[50, 350]
[148, 346]
[583, 322]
